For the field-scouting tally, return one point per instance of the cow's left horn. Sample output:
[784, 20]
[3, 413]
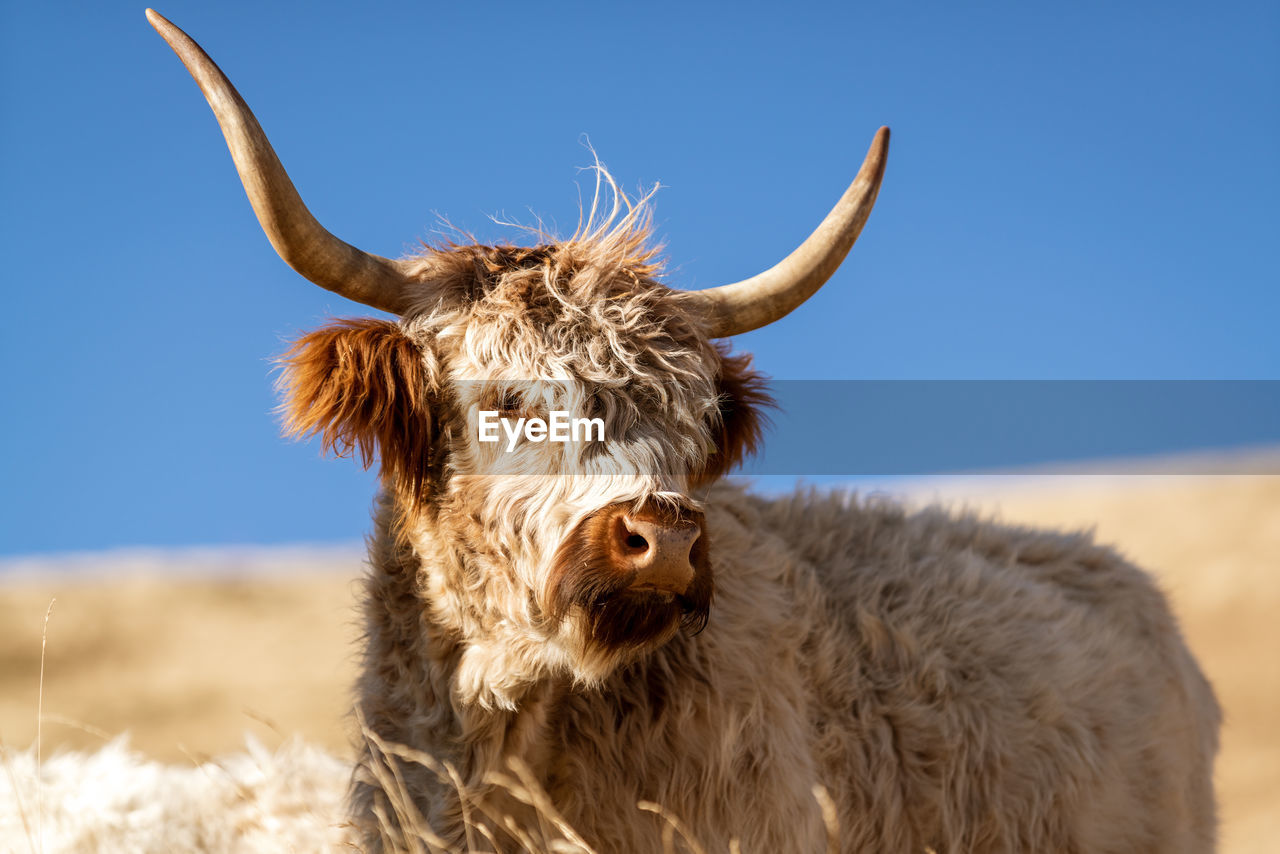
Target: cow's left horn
[302, 242]
[768, 296]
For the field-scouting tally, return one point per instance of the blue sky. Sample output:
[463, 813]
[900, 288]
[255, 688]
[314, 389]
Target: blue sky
[1075, 191]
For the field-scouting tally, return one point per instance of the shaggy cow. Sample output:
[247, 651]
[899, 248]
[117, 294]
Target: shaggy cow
[631, 627]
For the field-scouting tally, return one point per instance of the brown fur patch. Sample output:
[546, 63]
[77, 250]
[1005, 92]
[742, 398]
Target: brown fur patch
[587, 577]
[739, 426]
[362, 385]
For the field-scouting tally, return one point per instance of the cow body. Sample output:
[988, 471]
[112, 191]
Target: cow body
[955, 685]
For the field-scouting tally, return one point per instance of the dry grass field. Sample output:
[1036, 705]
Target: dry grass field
[187, 663]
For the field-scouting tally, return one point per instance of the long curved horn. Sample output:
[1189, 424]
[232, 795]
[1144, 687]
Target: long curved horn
[768, 296]
[301, 241]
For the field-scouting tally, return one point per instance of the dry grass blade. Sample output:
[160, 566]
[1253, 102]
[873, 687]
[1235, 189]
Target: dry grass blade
[502, 821]
[44, 641]
[538, 798]
[391, 748]
[264, 720]
[402, 835]
[531, 793]
[519, 834]
[488, 834]
[384, 828]
[203, 764]
[347, 842]
[552, 833]
[464, 804]
[92, 730]
[674, 825]
[830, 817]
[413, 828]
[387, 784]
[412, 821]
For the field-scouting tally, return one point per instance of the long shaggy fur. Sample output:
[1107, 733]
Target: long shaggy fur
[956, 685]
[362, 386]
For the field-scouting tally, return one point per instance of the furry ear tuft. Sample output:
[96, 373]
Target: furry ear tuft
[740, 422]
[363, 386]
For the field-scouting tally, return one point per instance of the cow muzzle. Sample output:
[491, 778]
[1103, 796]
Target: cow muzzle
[634, 573]
[656, 547]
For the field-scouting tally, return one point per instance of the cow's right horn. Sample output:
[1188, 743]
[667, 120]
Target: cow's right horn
[302, 242]
[763, 298]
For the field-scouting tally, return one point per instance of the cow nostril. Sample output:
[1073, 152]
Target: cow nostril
[637, 542]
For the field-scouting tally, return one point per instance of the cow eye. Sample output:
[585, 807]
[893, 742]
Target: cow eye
[507, 402]
[512, 403]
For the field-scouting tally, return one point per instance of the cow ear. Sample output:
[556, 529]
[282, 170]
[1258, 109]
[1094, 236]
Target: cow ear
[740, 419]
[364, 387]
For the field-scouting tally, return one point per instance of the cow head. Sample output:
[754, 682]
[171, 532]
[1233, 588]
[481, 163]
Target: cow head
[541, 556]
